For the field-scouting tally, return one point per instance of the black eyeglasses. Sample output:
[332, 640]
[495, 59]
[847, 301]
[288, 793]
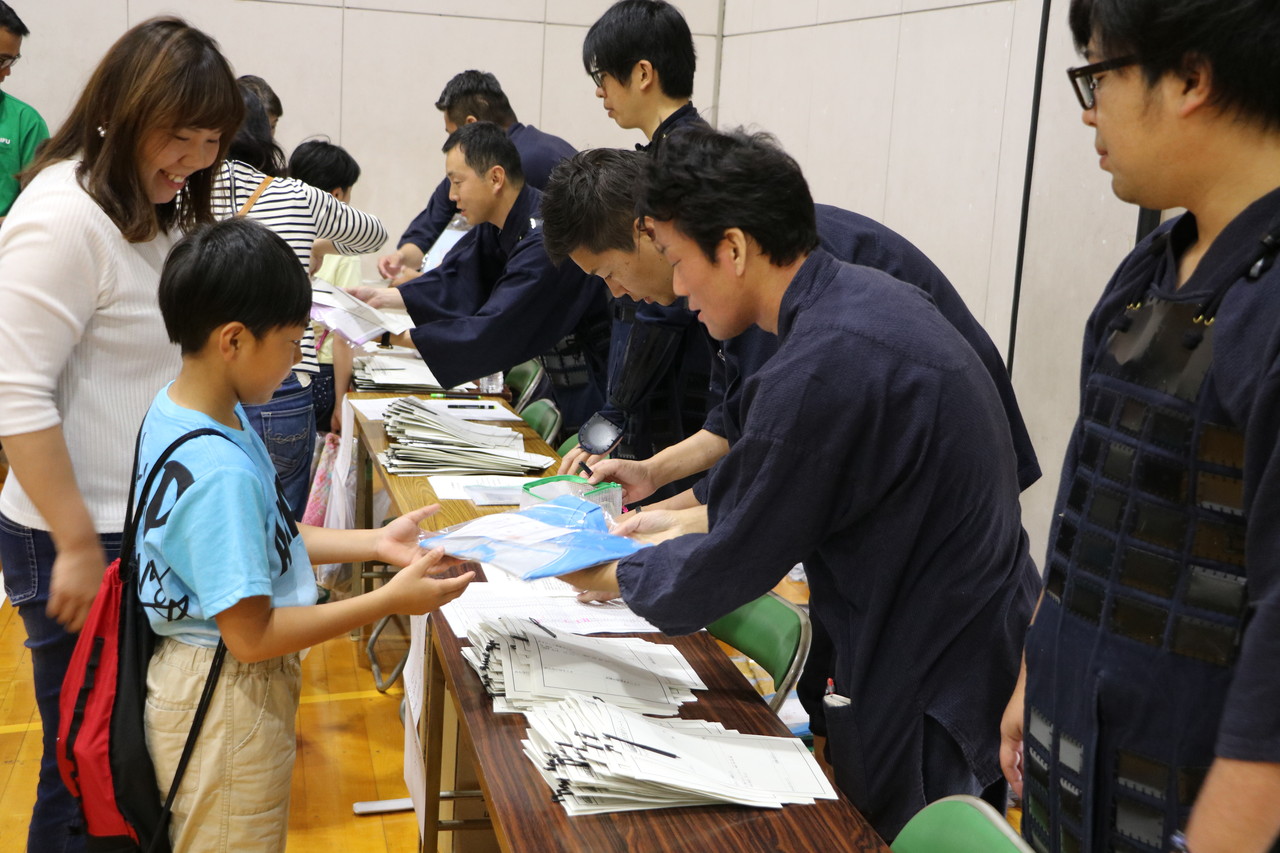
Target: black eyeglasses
[1085, 82]
[6, 60]
[597, 76]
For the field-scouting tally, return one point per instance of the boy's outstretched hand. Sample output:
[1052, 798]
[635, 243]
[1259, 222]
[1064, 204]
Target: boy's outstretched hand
[415, 589]
[397, 543]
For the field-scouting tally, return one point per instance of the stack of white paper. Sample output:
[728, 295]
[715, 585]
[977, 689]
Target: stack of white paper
[356, 321]
[525, 664]
[393, 373]
[423, 441]
[551, 601]
[598, 758]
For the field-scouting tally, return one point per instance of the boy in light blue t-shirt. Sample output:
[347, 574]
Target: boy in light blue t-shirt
[219, 552]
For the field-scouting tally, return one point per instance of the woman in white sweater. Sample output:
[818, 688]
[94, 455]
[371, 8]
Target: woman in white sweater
[85, 348]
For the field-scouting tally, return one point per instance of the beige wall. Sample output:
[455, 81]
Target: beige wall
[915, 112]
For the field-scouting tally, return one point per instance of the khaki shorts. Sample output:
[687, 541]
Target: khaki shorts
[234, 795]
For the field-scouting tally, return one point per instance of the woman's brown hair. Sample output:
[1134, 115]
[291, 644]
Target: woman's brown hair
[161, 74]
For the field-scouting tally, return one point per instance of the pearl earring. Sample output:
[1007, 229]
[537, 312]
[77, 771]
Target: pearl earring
[102, 131]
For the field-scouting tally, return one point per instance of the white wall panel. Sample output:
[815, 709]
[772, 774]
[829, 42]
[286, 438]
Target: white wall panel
[830, 11]
[703, 16]
[505, 10]
[830, 102]
[754, 16]
[64, 47]
[1078, 233]
[945, 144]
[389, 119]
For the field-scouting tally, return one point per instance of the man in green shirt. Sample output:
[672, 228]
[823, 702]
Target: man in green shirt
[21, 127]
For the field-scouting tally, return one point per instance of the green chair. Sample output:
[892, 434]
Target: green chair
[959, 824]
[568, 444]
[544, 417]
[523, 381]
[774, 633]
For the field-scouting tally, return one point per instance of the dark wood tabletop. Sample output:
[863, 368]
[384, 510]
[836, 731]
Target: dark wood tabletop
[526, 818]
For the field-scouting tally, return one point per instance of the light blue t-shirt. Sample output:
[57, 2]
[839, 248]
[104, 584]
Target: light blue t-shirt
[216, 529]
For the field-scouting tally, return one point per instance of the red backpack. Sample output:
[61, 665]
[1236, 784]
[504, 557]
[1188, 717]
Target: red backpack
[102, 746]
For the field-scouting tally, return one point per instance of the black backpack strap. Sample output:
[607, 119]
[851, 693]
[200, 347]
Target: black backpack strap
[128, 541]
[127, 565]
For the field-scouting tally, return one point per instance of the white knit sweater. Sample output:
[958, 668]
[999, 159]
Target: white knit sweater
[81, 337]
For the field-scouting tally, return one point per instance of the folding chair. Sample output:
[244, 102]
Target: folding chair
[959, 824]
[774, 633]
[544, 417]
[523, 381]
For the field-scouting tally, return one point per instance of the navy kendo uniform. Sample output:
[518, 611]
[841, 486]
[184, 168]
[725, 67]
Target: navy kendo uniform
[857, 239]
[539, 154]
[497, 300]
[875, 449]
[1156, 643]
[660, 362]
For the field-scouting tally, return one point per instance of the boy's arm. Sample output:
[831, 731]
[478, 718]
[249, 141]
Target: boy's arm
[396, 544]
[254, 630]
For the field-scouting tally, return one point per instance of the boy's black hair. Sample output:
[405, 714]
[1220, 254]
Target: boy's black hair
[590, 202]
[705, 182]
[233, 270]
[475, 93]
[632, 30]
[485, 145]
[10, 21]
[323, 165]
[270, 100]
[1238, 40]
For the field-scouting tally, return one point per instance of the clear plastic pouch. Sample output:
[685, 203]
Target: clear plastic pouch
[607, 496]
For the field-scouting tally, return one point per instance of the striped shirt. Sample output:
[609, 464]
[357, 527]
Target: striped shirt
[300, 214]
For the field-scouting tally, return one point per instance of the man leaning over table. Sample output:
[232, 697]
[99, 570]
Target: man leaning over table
[874, 449]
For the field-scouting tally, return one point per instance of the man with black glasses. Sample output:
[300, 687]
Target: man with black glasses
[1147, 717]
[21, 127]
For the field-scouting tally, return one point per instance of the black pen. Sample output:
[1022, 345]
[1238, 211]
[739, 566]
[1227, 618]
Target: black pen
[582, 466]
[467, 406]
[540, 625]
[641, 745]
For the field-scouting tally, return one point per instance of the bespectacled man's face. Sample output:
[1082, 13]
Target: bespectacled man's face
[10, 49]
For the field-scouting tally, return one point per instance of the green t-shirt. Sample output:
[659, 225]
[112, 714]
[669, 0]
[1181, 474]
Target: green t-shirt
[21, 130]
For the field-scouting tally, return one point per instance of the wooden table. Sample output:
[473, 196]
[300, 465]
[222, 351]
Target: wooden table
[518, 802]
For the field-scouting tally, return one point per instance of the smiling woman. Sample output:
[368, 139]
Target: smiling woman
[80, 258]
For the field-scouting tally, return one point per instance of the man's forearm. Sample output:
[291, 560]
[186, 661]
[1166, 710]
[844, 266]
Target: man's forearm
[695, 454]
[1237, 810]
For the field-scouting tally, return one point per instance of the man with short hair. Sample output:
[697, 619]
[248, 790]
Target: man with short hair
[21, 127]
[497, 300]
[588, 210]
[641, 57]
[468, 97]
[875, 449]
[1150, 703]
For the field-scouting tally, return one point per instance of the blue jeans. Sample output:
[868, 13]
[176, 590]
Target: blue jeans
[287, 425]
[26, 557]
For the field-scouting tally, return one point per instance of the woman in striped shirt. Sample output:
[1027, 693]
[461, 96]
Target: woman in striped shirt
[301, 214]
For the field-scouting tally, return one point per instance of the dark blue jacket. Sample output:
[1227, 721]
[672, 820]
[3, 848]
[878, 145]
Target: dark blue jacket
[875, 449]
[539, 154]
[857, 239]
[497, 300]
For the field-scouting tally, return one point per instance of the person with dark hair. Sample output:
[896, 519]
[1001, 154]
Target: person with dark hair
[301, 214]
[641, 57]
[329, 167]
[225, 560]
[471, 96]
[253, 142]
[21, 127]
[270, 100]
[589, 216]
[875, 449]
[497, 299]
[84, 343]
[1146, 716]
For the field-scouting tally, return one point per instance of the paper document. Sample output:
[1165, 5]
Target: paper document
[552, 602]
